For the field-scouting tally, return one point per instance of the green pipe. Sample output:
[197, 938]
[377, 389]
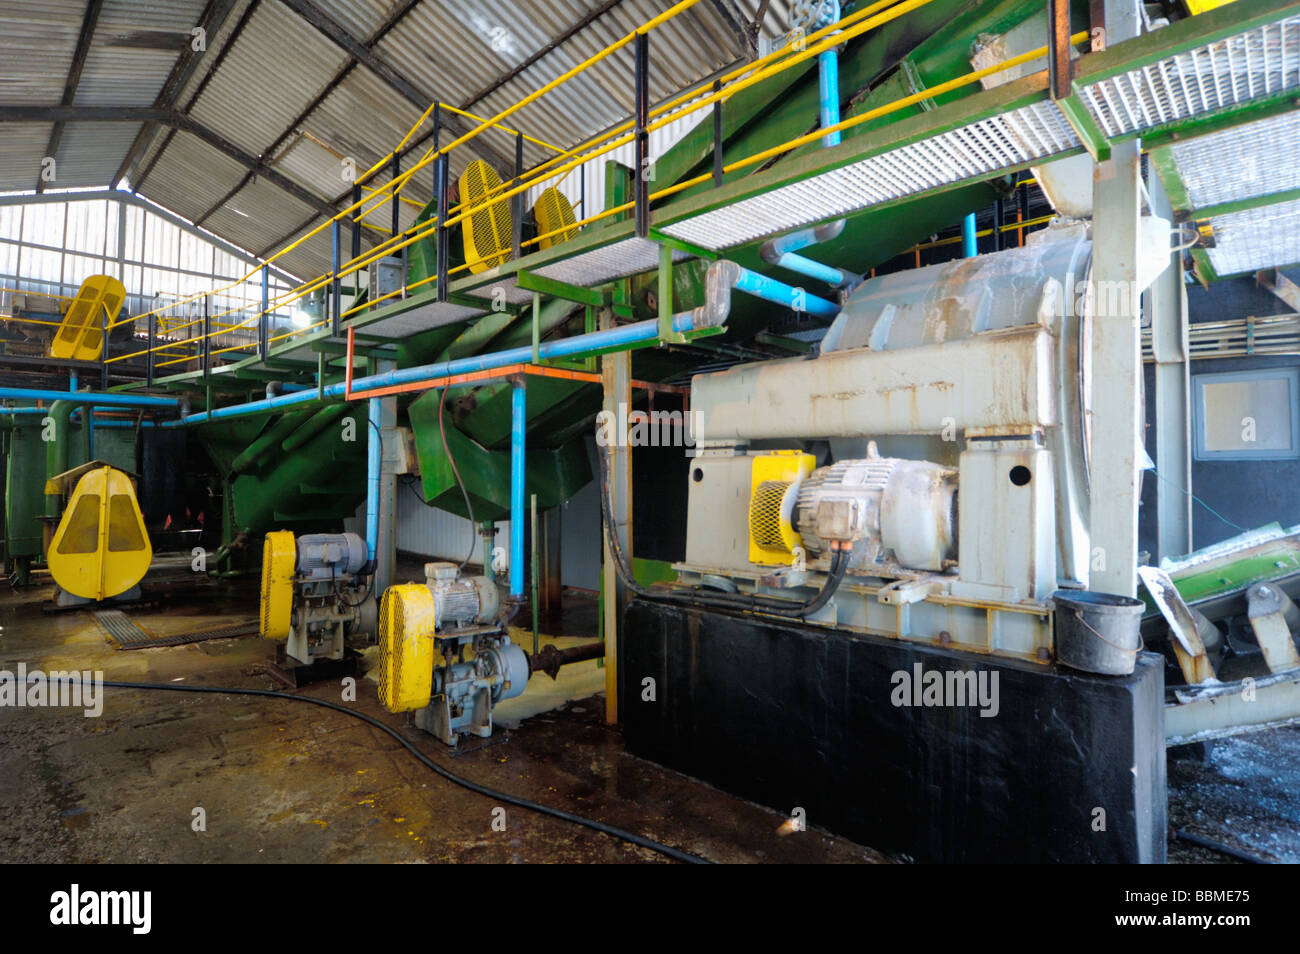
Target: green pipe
[252, 456]
[56, 450]
[321, 420]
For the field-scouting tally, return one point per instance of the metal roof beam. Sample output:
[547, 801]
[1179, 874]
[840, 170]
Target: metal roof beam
[194, 97]
[449, 120]
[210, 22]
[361, 52]
[396, 17]
[84, 38]
[738, 25]
[177, 120]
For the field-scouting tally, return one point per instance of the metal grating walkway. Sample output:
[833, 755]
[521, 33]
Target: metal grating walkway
[1207, 78]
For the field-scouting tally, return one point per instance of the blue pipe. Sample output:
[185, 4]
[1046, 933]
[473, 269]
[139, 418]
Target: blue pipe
[828, 84]
[769, 289]
[811, 269]
[72, 380]
[780, 251]
[374, 455]
[99, 399]
[969, 243]
[612, 339]
[518, 432]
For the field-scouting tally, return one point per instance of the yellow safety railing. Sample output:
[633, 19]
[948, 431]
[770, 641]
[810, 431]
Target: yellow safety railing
[564, 161]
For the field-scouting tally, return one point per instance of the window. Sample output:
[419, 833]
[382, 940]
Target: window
[1247, 415]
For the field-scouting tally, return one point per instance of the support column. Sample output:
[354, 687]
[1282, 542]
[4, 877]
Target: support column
[1167, 307]
[616, 378]
[1116, 431]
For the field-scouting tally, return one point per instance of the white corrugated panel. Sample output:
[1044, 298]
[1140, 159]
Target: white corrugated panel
[436, 534]
[22, 146]
[256, 216]
[89, 153]
[277, 66]
[125, 65]
[190, 177]
[37, 41]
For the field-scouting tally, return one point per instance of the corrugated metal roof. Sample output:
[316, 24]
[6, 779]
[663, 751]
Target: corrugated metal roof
[271, 70]
[191, 176]
[49, 28]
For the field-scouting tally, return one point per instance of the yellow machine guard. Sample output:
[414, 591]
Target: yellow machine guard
[81, 334]
[553, 212]
[279, 554]
[406, 650]
[100, 548]
[772, 537]
[489, 232]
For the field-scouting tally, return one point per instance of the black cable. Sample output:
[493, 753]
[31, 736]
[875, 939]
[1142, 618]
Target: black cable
[1220, 847]
[675, 853]
[774, 606]
[469, 509]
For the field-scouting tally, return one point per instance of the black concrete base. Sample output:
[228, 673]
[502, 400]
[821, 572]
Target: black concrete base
[1071, 768]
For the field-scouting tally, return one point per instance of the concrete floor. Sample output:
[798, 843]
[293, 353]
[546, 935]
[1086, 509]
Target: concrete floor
[279, 781]
[283, 782]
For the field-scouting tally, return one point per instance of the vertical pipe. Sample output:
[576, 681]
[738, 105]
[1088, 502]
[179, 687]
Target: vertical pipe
[397, 206]
[103, 350]
[641, 186]
[374, 455]
[518, 423]
[828, 85]
[997, 225]
[72, 378]
[1022, 212]
[969, 241]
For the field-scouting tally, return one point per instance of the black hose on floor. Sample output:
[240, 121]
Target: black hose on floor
[619, 833]
[1184, 835]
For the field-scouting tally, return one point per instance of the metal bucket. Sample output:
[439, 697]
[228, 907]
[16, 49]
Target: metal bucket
[1098, 632]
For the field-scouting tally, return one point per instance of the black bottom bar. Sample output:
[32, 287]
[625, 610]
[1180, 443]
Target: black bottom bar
[1071, 768]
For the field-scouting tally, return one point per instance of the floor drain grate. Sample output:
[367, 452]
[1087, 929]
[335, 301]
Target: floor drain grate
[122, 632]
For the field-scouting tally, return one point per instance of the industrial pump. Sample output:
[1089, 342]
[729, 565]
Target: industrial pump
[315, 593]
[443, 617]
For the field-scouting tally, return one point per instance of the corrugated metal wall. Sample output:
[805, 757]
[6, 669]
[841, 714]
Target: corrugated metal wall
[434, 534]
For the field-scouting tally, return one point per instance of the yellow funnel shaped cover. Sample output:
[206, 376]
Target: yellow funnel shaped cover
[81, 333]
[100, 548]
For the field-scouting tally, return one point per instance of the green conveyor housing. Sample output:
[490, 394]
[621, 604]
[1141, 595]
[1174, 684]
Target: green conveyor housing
[322, 481]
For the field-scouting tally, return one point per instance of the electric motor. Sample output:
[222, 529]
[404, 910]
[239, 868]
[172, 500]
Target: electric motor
[463, 601]
[323, 556]
[891, 509]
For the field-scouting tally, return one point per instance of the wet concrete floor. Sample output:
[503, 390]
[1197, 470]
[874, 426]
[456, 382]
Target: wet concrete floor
[180, 777]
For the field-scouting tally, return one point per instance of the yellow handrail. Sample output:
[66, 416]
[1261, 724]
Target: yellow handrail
[566, 161]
